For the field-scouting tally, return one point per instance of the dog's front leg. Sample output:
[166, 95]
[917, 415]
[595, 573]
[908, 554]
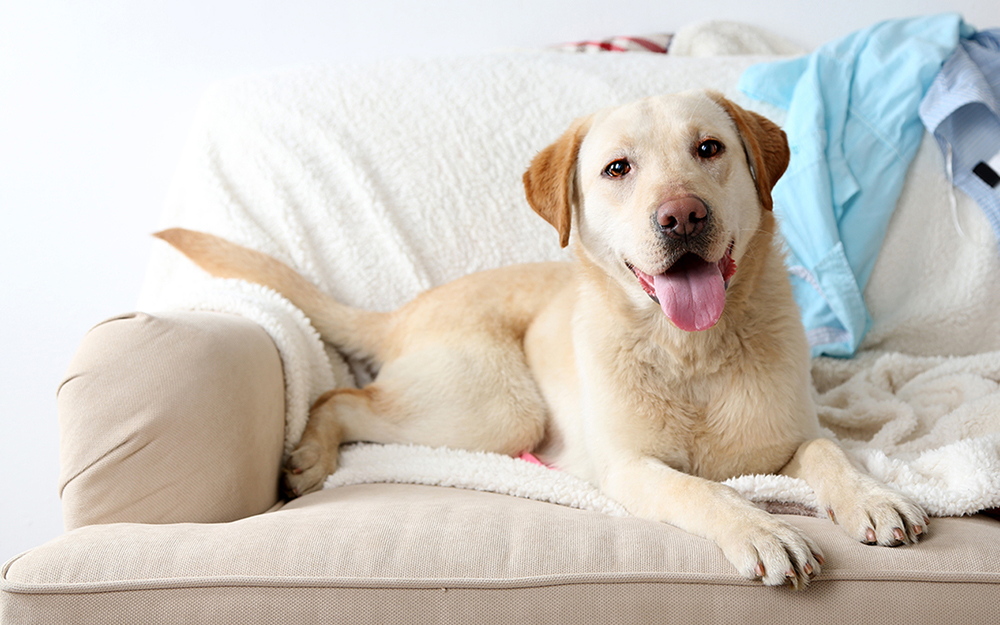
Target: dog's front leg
[760, 545]
[868, 510]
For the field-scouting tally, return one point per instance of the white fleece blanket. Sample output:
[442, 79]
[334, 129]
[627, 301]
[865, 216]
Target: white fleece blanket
[379, 181]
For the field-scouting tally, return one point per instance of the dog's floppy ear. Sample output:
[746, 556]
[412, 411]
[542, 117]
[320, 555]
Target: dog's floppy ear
[550, 182]
[765, 144]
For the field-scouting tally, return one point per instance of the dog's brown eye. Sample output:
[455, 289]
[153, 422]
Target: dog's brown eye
[617, 169]
[709, 148]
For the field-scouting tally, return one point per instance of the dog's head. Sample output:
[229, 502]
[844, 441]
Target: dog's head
[665, 194]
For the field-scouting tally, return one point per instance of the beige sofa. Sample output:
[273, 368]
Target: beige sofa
[173, 423]
[172, 440]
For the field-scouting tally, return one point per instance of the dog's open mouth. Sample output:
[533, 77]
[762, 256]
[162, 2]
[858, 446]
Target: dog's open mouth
[692, 292]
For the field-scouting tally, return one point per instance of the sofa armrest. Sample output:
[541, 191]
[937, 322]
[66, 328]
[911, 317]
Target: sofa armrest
[173, 417]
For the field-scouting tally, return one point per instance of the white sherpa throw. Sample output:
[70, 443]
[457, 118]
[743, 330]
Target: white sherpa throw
[416, 464]
[366, 463]
[928, 426]
[378, 181]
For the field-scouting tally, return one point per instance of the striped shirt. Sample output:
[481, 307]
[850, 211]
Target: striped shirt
[962, 110]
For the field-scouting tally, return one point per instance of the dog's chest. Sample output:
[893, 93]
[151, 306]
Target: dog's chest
[722, 424]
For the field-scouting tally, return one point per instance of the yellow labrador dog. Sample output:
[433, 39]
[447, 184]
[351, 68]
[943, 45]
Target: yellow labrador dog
[667, 357]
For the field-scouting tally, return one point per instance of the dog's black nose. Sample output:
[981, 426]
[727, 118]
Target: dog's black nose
[682, 217]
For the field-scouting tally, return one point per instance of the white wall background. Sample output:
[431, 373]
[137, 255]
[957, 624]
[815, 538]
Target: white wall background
[95, 101]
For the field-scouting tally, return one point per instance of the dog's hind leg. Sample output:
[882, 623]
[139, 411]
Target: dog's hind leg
[315, 457]
[338, 416]
[480, 400]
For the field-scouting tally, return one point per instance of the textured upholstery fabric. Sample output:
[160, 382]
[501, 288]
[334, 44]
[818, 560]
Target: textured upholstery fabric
[419, 554]
[177, 417]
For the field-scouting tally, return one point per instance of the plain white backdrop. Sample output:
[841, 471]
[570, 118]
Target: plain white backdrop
[95, 101]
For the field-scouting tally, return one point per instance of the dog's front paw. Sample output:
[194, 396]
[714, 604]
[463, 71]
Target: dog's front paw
[875, 514]
[764, 547]
[307, 468]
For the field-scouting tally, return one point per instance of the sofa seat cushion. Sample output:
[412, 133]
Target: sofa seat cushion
[406, 553]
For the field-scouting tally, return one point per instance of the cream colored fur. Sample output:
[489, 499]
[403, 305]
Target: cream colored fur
[577, 363]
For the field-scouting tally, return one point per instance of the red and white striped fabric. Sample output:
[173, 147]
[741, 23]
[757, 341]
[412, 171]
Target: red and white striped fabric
[658, 43]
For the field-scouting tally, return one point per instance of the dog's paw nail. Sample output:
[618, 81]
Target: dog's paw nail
[759, 570]
[819, 559]
[833, 517]
[898, 534]
[918, 530]
[808, 569]
[790, 573]
[870, 537]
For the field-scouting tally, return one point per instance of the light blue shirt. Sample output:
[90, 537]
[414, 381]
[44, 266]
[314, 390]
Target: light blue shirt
[853, 128]
[962, 110]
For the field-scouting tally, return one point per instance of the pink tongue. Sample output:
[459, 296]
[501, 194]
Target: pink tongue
[692, 295]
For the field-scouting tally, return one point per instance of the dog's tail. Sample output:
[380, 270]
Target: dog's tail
[356, 332]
